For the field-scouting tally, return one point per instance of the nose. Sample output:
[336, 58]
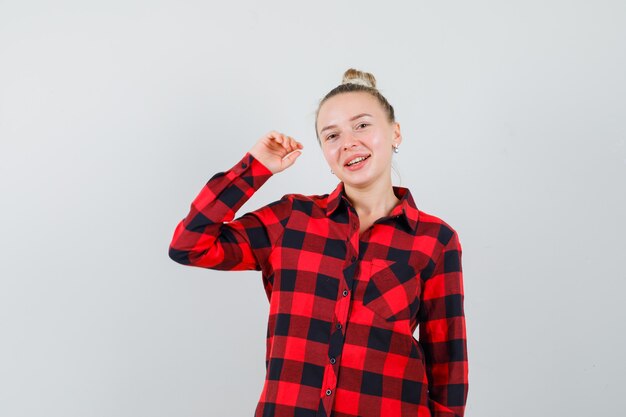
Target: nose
[350, 141]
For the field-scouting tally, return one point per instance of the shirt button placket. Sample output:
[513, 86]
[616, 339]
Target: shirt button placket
[342, 308]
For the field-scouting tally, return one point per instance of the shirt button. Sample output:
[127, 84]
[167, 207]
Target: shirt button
[244, 165]
[332, 360]
[345, 293]
[339, 325]
[328, 392]
[353, 258]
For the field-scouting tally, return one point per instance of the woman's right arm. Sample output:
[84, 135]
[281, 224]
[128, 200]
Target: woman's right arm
[208, 236]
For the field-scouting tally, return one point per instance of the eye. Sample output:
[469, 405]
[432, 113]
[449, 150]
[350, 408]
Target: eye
[362, 125]
[331, 136]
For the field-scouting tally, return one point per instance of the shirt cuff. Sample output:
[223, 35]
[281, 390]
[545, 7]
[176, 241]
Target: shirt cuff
[250, 163]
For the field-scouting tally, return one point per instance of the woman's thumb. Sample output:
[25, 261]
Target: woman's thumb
[291, 158]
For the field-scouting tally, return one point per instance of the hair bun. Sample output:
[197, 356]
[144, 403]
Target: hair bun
[354, 76]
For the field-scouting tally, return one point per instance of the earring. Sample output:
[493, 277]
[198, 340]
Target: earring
[395, 148]
[331, 171]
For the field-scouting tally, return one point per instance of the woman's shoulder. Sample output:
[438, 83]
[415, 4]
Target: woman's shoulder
[296, 201]
[435, 219]
[299, 200]
[435, 225]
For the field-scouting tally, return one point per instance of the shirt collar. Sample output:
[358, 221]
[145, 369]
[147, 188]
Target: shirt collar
[405, 209]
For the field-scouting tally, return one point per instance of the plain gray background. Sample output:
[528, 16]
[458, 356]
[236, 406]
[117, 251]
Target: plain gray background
[114, 114]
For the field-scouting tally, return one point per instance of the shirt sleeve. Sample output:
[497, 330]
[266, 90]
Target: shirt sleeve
[208, 237]
[442, 332]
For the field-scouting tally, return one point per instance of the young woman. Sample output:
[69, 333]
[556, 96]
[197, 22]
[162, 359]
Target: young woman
[349, 275]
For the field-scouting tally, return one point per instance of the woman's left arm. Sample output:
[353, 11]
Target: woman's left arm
[442, 330]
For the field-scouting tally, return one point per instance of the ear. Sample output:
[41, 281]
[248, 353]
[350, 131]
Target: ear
[397, 136]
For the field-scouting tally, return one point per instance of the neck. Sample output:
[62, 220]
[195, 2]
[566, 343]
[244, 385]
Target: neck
[374, 200]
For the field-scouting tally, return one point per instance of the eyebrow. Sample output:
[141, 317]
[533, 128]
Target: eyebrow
[353, 118]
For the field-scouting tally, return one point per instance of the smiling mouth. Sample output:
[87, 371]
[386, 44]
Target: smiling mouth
[357, 160]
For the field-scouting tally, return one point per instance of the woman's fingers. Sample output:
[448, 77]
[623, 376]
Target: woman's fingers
[290, 144]
[276, 150]
[286, 141]
[294, 144]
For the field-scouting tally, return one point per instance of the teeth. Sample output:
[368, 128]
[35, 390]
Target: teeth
[359, 159]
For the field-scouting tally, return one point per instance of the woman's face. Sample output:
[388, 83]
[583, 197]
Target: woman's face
[357, 138]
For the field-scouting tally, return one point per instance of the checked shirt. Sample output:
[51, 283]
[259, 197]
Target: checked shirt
[343, 306]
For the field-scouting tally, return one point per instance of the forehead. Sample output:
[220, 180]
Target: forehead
[343, 106]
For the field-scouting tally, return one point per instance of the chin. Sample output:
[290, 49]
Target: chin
[356, 182]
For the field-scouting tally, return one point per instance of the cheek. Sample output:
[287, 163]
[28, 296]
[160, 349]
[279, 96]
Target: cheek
[382, 142]
[330, 154]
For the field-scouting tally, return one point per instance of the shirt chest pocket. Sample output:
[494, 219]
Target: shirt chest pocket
[391, 289]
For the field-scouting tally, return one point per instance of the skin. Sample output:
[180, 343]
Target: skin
[276, 151]
[369, 188]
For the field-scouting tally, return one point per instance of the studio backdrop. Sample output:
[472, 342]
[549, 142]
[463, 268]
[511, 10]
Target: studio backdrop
[113, 115]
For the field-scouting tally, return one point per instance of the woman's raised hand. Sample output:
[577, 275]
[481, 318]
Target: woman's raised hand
[276, 151]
